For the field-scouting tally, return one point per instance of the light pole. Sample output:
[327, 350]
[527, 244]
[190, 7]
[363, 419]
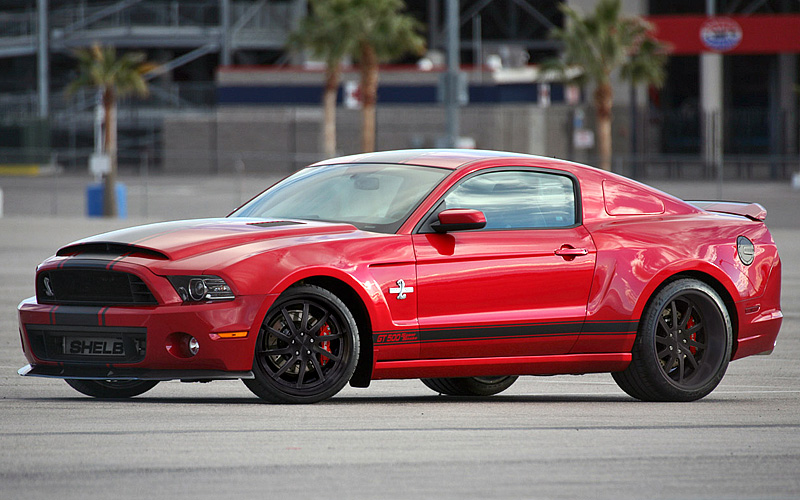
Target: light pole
[452, 76]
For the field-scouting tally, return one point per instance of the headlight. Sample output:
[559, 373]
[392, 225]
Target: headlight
[199, 288]
[746, 250]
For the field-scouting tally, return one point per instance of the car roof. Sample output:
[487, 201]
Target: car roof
[442, 158]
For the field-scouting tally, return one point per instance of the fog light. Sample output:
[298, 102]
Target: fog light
[182, 345]
[194, 346]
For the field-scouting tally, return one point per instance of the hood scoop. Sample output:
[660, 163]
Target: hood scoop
[110, 249]
[274, 223]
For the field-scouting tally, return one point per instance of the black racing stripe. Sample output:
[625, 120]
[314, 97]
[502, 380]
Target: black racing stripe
[508, 332]
[100, 263]
[511, 331]
[85, 263]
[118, 260]
[78, 316]
[506, 337]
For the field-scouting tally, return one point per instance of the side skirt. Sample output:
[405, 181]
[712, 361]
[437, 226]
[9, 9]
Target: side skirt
[563, 364]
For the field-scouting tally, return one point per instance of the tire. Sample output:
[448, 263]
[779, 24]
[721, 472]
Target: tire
[307, 348]
[111, 389]
[470, 386]
[683, 346]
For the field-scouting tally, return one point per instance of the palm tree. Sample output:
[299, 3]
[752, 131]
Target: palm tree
[383, 33]
[372, 31]
[100, 68]
[323, 33]
[601, 44]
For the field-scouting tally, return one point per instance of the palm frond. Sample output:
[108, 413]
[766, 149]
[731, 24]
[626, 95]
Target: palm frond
[100, 67]
[602, 43]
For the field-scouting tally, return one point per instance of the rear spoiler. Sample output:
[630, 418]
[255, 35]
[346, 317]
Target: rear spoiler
[753, 211]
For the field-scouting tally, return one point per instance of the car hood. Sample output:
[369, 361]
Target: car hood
[182, 239]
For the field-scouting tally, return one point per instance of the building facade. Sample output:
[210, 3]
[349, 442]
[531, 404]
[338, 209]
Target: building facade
[224, 69]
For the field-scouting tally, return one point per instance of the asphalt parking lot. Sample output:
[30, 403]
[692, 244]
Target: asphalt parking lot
[546, 437]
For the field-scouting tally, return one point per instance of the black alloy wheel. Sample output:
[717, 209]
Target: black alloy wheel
[683, 346]
[470, 386]
[307, 348]
[111, 389]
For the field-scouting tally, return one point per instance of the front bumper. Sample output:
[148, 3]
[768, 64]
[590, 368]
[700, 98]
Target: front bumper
[218, 356]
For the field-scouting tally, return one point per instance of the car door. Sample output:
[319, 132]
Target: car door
[519, 286]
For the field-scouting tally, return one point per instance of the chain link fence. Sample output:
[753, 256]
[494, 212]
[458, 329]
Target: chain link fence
[59, 186]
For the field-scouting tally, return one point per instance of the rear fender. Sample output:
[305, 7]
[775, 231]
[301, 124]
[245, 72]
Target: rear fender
[696, 269]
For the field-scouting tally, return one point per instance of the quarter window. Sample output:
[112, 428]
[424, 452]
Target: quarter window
[517, 199]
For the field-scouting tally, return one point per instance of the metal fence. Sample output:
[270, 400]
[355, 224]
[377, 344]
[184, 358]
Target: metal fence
[52, 189]
[58, 186]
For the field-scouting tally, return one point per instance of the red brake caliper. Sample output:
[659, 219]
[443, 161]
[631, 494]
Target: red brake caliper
[693, 336]
[325, 330]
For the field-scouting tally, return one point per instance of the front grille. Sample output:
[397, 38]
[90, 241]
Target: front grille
[92, 287]
[87, 344]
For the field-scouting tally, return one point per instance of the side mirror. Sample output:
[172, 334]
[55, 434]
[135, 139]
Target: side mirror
[459, 219]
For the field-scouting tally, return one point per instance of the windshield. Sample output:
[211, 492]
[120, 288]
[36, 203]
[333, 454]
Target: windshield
[371, 197]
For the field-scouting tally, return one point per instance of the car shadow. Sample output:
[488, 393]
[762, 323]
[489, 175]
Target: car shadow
[433, 399]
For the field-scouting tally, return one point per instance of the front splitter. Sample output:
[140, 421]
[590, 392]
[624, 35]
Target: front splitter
[105, 373]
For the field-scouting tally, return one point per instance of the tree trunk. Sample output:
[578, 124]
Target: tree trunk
[332, 74]
[110, 149]
[369, 96]
[603, 97]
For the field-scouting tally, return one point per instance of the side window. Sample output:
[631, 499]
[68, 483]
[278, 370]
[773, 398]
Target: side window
[517, 199]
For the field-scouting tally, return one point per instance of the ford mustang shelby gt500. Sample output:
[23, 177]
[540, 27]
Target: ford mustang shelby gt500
[463, 268]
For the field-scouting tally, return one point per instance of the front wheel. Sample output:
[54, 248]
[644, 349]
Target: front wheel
[307, 348]
[111, 389]
[470, 386]
[683, 346]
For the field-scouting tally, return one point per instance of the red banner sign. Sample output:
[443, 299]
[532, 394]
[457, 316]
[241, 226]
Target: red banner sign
[755, 34]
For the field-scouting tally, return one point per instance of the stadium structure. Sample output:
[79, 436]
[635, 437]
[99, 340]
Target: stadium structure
[227, 92]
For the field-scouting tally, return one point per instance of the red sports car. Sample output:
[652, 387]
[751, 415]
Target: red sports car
[465, 269]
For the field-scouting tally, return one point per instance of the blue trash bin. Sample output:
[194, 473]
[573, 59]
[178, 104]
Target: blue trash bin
[94, 200]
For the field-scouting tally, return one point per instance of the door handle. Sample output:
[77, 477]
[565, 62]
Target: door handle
[567, 251]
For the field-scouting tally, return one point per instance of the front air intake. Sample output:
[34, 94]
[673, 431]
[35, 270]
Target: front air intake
[97, 287]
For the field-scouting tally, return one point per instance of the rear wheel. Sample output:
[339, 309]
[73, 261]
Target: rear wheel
[110, 389]
[307, 348]
[470, 386]
[683, 346]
